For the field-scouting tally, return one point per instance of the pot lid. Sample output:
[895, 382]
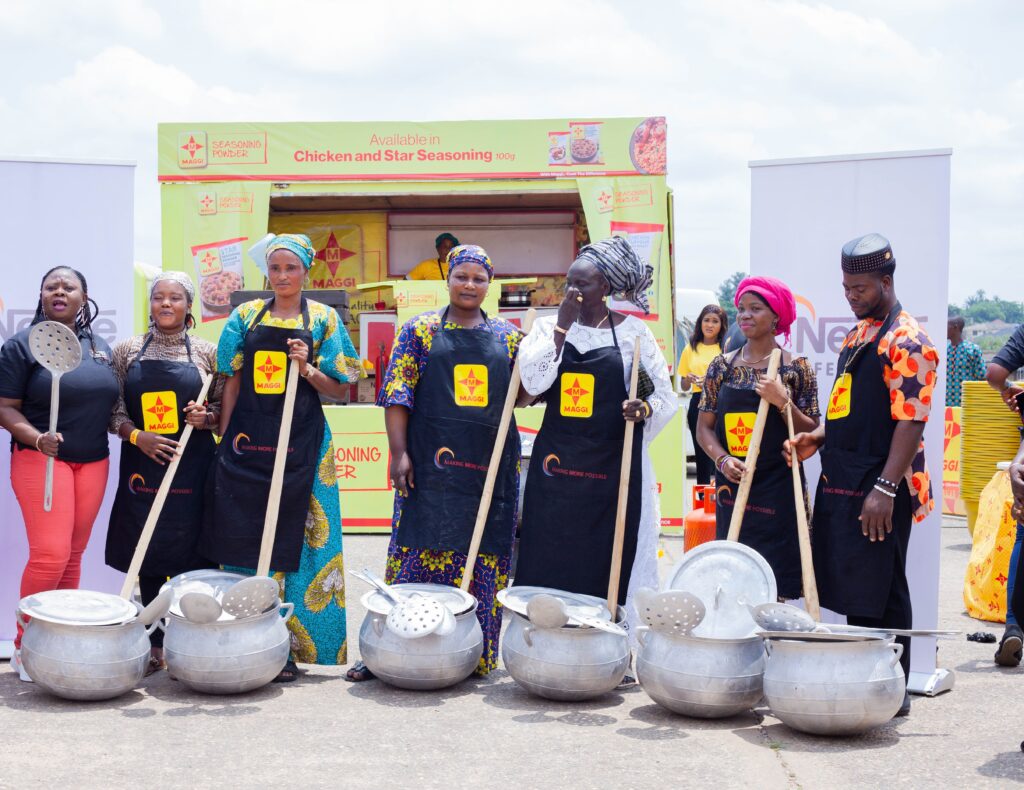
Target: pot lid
[78, 607]
[727, 576]
[455, 599]
[211, 581]
[516, 599]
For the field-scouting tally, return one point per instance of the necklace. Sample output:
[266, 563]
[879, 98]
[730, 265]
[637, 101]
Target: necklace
[753, 361]
[598, 324]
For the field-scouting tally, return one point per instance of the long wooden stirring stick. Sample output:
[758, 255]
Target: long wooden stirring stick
[802, 530]
[492, 467]
[623, 501]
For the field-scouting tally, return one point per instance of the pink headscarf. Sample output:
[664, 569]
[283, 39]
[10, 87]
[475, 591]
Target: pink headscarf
[778, 296]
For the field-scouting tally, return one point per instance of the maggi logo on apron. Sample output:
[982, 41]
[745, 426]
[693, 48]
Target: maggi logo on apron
[470, 385]
[738, 427]
[160, 412]
[268, 374]
[577, 394]
[839, 399]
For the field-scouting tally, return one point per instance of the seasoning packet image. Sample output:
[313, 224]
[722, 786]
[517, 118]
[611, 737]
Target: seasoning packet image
[558, 149]
[585, 145]
[219, 271]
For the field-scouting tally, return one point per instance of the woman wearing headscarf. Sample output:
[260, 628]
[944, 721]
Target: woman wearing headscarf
[161, 374]
[704, 345]
[580, 361]
[733, 389]
[443, 394]
[259, 341]
[57, 537]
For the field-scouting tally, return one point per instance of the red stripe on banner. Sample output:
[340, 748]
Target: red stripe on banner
[389, 176]
[671, 522]
[366, 522]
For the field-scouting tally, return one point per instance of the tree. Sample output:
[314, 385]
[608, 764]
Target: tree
[727, 294]
[955, 310]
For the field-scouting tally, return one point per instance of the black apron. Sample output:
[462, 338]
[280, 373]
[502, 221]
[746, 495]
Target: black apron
[855, 575]
[245, 458]
[459, 400]
[769, 521]
[155, 393]
[572, 488]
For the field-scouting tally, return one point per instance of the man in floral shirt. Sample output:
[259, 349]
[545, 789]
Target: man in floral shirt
[874, 483]
[963, 360]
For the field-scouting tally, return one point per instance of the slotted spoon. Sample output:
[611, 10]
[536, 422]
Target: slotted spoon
[414, 616]
[781, 617]
[57, 349]
[251, 596]
[673, 611]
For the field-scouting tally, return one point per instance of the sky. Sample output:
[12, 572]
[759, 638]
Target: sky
[738, 80]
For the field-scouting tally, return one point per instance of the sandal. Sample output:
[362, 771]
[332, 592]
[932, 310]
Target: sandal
[154, 665]
[359, 672]
[289, 674]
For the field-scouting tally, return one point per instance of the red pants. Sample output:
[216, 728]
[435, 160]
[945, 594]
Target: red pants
[56, 540]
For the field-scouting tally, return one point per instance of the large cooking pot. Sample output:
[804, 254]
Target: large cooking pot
[568, 663]
[228, 656]
[85, 662]
[703, 678]
[834, 687]
[429, 662]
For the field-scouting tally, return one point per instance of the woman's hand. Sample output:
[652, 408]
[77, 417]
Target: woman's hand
[694, 380]
[196, 415]
[773, 391]
[806, 444]
[733, 469]
[1017, 487]
[635, 410]
[299, 351]
[569, 309]
[157, 447]
[48, 443]
[1009, 395]
[402, 474]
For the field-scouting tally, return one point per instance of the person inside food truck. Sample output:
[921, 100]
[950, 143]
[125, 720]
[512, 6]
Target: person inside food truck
[435, 268]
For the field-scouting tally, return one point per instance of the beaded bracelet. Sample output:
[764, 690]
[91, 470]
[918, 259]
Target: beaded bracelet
[720, 463]
[889, 483]
[890, 494]
[134, 437]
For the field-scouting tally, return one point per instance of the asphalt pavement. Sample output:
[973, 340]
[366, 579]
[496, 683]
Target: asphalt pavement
[324, 732]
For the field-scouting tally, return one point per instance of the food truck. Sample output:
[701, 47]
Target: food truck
[373, 197]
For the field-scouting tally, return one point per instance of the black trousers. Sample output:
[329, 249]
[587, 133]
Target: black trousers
[149, 588]
[705, 466]
[898, 610]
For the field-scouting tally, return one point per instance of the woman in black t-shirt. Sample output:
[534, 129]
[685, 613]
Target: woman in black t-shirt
[57, 538]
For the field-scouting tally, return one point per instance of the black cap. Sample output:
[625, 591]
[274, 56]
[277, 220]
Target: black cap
[867, 254]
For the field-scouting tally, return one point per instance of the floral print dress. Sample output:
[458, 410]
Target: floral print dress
[317, 588]
[490, 574]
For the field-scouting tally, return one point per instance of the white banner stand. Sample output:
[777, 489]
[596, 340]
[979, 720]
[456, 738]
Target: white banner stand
[78, 214]
[802, 212]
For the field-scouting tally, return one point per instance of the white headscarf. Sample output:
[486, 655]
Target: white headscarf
[180, 278]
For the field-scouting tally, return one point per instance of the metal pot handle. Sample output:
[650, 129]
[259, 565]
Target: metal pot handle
[768, 647]
[378, 624]
[164, 622]
[641, 634]
[527, 630]
[897, 654]
[20, 617]
[288, 608]
[153, 626]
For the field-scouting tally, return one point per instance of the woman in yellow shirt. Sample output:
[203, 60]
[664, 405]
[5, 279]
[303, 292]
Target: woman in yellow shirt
[431, 268]
[705, 344]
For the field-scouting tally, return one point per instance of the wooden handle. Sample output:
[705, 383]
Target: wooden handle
[492, 467]
[623, 501]
[743, 492]
[277, 476]
[158, 501]
[803, 531]
[54, 407]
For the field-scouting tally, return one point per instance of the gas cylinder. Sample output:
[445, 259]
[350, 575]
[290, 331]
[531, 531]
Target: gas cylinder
[699, 523]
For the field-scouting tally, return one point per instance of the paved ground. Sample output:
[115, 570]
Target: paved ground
[322, 731]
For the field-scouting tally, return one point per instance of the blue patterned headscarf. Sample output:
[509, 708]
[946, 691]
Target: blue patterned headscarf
[296, 243]
[469, 253]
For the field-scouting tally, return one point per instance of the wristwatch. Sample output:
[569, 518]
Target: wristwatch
[308, 373]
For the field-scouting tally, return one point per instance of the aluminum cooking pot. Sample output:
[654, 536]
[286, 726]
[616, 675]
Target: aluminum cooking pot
[85, 662]
[228, 656]
[833, 688]
[703, 678]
